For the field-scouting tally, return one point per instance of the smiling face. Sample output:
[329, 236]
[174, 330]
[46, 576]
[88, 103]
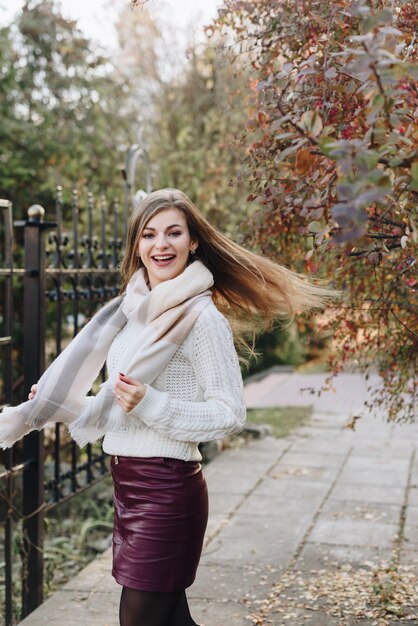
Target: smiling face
[165, 245]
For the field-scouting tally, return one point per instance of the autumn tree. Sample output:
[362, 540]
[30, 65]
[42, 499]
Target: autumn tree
[332, 161]
[60, 108]
[195, 147]
[136, 59]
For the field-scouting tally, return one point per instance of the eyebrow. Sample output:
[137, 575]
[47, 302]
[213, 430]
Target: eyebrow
[168, 227]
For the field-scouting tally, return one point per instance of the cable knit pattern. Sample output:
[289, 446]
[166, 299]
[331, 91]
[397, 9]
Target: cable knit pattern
[197, 397]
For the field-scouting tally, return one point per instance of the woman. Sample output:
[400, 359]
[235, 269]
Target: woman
[173, 381]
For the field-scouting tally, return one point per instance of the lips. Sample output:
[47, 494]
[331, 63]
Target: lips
[163, 259]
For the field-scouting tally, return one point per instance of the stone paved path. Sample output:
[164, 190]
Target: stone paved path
[321, 497]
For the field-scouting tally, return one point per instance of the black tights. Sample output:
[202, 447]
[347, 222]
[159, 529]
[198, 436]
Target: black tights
[153, 608]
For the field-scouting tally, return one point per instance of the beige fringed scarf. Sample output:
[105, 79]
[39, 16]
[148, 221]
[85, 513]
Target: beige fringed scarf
[166, 314]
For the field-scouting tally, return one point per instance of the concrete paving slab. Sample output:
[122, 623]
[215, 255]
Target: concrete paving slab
[233, 482]
[378, 450]
[414, 470]
[328, 434]
[409, 557]
[223, 504]
[292, 616]
[349, 510]
[380, 445]
[336, 417]
[254, 463]
[269, 445]
[371, 476]
[292, 487]
[316, 597]
[264, 447]
[316, 556]
[66, 608]
[223, 582]
[262, 539]
[307, 473]
[209, 613]
[357, 492]
[264, 500]
[96, 576]
[350, 391]
[311, 459]
[411, 525]
[354, 533]
[215, 523]
[413, 495]
[323, 423]
[318, 446]
[256, 391]
[378, 463]
[265, 505]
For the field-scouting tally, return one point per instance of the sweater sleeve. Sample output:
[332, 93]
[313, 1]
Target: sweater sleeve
[216, 367]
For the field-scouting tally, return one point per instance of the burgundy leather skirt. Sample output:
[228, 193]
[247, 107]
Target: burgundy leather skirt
[161, 512]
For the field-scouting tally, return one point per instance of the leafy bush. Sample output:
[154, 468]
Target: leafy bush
[332, 144]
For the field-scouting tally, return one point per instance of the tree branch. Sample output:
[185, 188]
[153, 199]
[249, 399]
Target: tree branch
[300, 130]
[380, 86]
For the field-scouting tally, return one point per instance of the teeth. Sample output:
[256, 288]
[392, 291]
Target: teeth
[163, 258]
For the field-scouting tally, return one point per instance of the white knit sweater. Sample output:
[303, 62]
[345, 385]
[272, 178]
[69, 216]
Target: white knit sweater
[197, 397]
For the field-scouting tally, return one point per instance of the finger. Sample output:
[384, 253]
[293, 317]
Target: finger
[128, 388]
[128, 400]
[128, 379]
[119, 398]
[126, 405]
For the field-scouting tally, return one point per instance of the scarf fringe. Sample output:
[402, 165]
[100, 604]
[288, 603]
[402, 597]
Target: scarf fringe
[12, 428]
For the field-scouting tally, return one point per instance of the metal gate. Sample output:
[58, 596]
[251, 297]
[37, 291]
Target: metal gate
[65, 274]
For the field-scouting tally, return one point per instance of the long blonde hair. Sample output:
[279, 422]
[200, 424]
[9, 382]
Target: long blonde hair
[250, 290]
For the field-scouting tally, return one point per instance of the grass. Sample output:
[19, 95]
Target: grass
[312, 367]
[283, 420]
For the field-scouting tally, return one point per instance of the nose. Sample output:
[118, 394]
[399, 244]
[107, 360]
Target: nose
[161, 241]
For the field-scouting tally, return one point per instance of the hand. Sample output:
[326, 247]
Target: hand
[32, 392]
[128, 392]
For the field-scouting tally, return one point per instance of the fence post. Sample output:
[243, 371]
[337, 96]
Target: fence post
[33, 445]
[6, 342]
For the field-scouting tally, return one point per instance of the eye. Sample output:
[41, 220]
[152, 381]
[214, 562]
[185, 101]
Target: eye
[147, 235]
[176, 233]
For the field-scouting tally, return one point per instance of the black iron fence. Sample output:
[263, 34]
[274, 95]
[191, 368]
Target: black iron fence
[7, 476]
[66, 273]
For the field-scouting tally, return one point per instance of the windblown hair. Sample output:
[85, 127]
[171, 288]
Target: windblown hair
[250, 290]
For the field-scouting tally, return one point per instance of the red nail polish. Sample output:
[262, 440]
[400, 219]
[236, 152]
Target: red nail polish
[120, 374]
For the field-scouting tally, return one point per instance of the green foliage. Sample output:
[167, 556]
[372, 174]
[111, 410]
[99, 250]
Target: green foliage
[75, 532]
[332, 145]
[59, 108]
[280, 347]
[69, 113]
[194, 144]
[282, 419]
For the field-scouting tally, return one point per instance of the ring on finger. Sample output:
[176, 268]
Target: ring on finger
[118, 398]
